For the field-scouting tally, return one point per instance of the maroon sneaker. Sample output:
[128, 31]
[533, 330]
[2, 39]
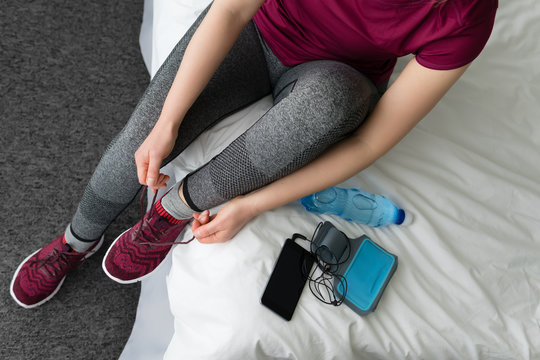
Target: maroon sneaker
[140, 250]
[39, 277]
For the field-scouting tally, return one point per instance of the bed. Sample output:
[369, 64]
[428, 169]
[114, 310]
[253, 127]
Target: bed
[468, 281]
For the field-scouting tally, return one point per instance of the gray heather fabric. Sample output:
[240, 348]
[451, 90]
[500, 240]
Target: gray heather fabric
[316, 104]
[72, 73]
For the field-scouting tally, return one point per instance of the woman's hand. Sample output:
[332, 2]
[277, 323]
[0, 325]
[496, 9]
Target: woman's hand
[148, 158]
[225, 224]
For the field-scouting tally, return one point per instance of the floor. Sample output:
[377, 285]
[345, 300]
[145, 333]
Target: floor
[70, 74]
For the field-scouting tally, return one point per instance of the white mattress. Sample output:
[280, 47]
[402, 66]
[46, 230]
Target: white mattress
[468, 281]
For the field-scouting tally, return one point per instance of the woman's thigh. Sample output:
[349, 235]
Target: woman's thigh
[241, 79]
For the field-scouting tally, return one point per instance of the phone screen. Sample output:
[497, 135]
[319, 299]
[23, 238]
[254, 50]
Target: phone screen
[287, 279]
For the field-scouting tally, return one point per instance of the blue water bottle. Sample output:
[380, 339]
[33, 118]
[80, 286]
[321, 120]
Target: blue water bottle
[356, 205]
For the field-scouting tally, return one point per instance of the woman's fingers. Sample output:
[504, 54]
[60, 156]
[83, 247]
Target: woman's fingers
[152, 175]
[162, 181]
[204, 217]
[201, 219]
[148, 167]
[200, 227]
[206, 235]
[204, 228]
[142, 168]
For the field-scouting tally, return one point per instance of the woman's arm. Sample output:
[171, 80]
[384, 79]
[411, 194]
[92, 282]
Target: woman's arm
[414, 93]
[213, 39]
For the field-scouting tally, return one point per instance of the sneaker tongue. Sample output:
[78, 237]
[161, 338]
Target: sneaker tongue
[160, 224]
[67, 248]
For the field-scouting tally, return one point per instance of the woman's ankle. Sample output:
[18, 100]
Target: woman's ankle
[76, 242]
[174, 203]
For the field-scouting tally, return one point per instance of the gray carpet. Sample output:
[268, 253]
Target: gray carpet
[70, 74]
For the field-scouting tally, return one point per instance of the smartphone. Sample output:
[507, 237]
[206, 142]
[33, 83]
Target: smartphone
[287, 279]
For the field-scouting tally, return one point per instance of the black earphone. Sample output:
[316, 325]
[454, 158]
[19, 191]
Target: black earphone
[330, 248]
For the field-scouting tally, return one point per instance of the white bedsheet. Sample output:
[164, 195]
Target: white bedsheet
[468, 281]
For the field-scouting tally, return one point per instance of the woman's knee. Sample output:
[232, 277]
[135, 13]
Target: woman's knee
[333, 94]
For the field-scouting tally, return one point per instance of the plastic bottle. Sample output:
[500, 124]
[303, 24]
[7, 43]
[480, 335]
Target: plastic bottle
[356, 205]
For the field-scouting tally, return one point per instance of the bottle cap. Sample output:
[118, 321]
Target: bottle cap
[404, 217]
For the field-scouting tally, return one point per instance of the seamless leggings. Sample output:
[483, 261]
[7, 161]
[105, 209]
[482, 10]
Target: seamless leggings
[316, 104]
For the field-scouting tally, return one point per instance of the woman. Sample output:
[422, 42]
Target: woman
[326, 63]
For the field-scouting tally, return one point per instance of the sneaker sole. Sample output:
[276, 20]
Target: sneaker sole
[55, 290]
[120, 281]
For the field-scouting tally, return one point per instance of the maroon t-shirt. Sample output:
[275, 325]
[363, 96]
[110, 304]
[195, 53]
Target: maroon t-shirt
[371, 34]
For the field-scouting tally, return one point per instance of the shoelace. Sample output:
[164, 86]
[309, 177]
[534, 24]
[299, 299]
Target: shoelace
[61, 257]
[147, 215]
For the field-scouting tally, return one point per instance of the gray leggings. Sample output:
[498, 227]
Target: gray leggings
[316, 104]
